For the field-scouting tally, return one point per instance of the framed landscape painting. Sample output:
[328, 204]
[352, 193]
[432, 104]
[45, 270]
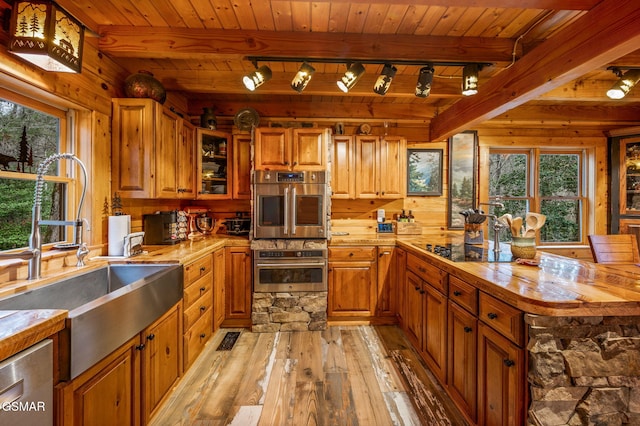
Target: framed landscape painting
[424, 172]
[462, 176]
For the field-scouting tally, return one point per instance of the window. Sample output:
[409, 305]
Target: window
[547, 181]
[29, 133]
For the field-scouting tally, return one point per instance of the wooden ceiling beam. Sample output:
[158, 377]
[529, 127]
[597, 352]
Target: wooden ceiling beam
[184, 43]
[572, 52]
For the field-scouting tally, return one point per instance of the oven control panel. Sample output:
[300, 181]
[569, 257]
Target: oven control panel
[273, 254]
[290, 177]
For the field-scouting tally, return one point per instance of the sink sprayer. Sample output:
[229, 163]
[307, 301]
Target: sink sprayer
[34, 253]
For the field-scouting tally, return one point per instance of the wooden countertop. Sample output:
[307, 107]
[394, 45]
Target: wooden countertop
[22, 329]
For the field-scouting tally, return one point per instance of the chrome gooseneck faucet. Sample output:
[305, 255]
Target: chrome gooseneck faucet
[34, 253]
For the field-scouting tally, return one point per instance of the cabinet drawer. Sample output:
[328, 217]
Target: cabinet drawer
[436, 277]
[463, 294]
[504, 318]
[351, 253]
[197, 269]
[195, 339]
[200, 308]
[197, 290]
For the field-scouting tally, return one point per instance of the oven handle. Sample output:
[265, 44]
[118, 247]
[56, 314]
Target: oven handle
[289, 265]
[286, 211]
[293, 212]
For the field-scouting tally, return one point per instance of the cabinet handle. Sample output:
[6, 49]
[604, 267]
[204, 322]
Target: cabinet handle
[468, 329]
[382, 192]
[417, 288]
[203, 335]
[421, 269]
[509, 362]
[140, 347]
[202, 269]
[492, 315]
[151, 336]
[286, 163]
[350, 254]
[422, 291]
[457, 293]
[203, 308]
[202, 289]
[295, 163]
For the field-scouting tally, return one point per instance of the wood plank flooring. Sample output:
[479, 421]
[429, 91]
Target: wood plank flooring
[347, 375]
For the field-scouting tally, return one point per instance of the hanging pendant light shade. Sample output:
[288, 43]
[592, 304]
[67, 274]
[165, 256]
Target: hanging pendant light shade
[384, 80]
[257, 78]
[470, 79]
[423, 86]
[302, 78]
[351, 77]
[47, 36]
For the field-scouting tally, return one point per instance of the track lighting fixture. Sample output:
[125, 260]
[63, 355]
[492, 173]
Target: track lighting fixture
[302, 77]
[351, 77]
[257, 78]
[624, 85]
[423, 86]
[384, 80]
[470, 79]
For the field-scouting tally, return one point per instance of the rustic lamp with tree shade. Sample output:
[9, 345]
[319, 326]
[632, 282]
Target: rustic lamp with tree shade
[47, 36]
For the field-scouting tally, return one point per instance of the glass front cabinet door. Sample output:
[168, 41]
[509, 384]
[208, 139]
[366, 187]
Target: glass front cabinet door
[214, 170]
[625, 183]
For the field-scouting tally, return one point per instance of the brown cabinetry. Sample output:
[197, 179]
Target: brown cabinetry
[198, 307]
[352, 281]
[291, 149]
[148, 150]
[343, 167]
[218, 288]
[238, 284]
[387, 297]
[380, 170]
[625, 182]
[126, 386]
[241, 181]
[214, 164]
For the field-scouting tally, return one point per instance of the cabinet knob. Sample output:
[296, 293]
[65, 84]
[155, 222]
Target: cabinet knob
[492, 315]
[202, 289]
[509, 362]
[151, 336]
[203, 308]
[382, 192]
[350, 254]
[286, 163]
[203, 335]
[203, 268]
[457, 293]
[422, 291]
[140, 347]
[295, 163]
[468, 329]
[417, 288]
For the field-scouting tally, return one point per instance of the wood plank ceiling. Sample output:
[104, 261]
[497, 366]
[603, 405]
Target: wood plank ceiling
[549, 57]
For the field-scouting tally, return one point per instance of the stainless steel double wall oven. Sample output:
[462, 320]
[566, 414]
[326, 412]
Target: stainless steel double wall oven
[290, 206]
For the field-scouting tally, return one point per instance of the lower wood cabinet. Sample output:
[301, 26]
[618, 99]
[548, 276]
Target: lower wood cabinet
[413, 321]
[218, 288]
[501, 381]
[110, 392]
[198, 307]
[352, 281]
[238, 285]
[387, 288]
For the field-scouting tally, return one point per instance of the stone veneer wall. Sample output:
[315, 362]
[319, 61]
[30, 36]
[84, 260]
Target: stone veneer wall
[584, 370]
[295, 311]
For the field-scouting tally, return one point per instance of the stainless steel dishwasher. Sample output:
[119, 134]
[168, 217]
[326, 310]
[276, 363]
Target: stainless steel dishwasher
[26, 387]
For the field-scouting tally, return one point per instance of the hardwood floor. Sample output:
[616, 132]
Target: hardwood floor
[348, 375]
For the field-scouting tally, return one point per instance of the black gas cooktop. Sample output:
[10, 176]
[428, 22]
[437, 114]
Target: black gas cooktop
[460, 252]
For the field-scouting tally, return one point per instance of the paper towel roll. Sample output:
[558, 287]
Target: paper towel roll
[119, 227]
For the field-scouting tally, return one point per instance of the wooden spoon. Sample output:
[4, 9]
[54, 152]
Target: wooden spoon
[535, 221]
[506, 218]
[516, 226]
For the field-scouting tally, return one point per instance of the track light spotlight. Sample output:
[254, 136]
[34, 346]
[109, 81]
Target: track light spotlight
[384, 80]
[623, 86]
[303, 77]
[470, 79]
[423, 86]
[351, 77]
[257, 78]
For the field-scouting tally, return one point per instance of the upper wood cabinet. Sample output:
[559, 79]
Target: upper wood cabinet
[241, 182]
[368, 167]
[149, 149]
[214, 150]
[291, 149]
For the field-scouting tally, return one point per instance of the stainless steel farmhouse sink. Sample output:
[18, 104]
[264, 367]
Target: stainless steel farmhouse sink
[107, 306]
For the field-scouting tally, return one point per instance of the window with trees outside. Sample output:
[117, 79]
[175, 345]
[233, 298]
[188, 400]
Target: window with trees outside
[550, 182]
[29, 133]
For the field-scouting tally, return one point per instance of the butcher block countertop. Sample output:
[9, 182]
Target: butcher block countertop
[557, 286]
